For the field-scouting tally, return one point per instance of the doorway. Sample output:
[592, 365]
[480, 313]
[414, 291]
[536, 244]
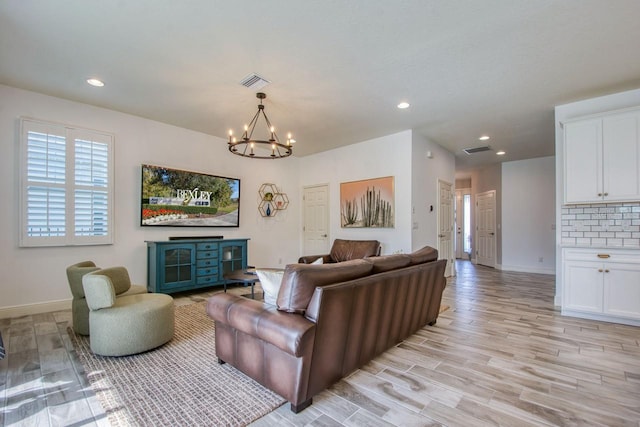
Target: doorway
[445, 225]
[463, 223]
[316, 219]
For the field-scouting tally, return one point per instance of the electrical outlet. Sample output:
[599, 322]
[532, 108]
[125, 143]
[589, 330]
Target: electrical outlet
[279, 261]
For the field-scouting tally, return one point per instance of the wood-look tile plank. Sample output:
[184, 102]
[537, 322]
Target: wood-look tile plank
[452, 416]
[580, 413]
[491, 415]
[422, 389]
[399, 395]
[363, 418]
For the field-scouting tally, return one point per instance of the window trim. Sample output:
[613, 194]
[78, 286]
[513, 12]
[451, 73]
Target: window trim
[71, 134]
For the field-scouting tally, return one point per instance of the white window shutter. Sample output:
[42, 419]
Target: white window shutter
[67, 190]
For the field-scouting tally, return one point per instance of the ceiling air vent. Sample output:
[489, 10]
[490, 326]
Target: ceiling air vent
[476, 149]
[254, 81]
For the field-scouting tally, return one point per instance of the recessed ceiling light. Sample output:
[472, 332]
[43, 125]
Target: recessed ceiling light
[501, 153]
[95, 82]
[484, 138]
[403, 105]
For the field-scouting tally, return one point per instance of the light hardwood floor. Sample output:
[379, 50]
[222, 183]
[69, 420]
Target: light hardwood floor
[500, 355]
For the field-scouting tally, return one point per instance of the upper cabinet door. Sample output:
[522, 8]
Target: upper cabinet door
[621, 157]
[583, 161]
[602, 158]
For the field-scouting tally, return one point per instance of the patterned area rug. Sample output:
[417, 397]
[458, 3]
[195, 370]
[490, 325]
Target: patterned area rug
[180, 383]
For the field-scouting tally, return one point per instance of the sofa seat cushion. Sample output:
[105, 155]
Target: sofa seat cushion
[426, 254]
[300, 280]
[388, 262]
[287, 331]
[346, 250]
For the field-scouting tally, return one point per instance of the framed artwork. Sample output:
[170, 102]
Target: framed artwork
[368, 203]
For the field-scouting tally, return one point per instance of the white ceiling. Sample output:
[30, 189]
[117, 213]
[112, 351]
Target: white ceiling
[338, 68]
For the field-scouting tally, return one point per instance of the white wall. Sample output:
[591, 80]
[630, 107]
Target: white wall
[528, 215]
[385, 156]
[33, 276]
[426, 173]
[564, 112]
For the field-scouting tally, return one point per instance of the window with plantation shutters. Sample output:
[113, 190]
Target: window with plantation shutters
[66, 185]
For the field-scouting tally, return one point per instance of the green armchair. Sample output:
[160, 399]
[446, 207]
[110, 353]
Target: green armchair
[79, 308]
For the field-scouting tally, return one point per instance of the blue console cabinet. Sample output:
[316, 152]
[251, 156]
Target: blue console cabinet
[182, 265]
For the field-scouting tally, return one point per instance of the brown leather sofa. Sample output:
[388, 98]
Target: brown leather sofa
[345, 250]
[330, 320]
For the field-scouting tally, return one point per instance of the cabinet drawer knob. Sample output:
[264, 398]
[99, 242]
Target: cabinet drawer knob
[606, 194]
[604, 256]
[606, 271]
[599, 194]
[599, 270]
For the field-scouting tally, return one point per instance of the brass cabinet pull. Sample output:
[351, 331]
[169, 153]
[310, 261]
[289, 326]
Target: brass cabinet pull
[599, 194]
[606, 271]
[604, 256]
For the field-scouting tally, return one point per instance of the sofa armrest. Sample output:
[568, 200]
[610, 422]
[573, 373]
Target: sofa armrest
[289, 332]
[308, 259]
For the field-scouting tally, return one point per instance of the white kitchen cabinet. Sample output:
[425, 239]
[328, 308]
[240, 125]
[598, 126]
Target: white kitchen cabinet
[602, 284]
[602, 158]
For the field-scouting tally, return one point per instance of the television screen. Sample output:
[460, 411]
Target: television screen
[179, 198]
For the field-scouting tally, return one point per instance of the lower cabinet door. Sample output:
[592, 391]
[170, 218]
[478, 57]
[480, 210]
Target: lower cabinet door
[622, 290]
[583, 286]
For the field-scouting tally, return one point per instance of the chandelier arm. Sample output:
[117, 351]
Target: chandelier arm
[252, 124]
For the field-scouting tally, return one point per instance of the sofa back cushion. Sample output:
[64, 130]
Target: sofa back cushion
[300, 280]
[346, 250]
[119, 277]
[74, 275]
[388, 262]
[426, 254]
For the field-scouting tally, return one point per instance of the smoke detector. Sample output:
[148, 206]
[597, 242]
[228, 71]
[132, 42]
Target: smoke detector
[254, 82]
[475, 150]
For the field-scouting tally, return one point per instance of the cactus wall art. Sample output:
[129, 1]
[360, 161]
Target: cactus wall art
[367, 204]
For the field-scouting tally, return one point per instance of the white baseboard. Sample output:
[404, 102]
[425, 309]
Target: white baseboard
[526, 269]
[602, 317]
[28, 309]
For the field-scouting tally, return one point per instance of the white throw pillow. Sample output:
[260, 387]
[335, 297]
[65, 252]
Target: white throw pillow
[318, 261]
[270, 279]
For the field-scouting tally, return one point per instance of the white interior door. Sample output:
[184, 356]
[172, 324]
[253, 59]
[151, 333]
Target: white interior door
[445, 225]
[486, 228]
[316, 220]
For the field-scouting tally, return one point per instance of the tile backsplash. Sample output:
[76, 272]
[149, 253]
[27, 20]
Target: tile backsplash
[601, 225]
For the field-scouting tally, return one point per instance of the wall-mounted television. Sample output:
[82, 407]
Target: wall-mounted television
[177, 198]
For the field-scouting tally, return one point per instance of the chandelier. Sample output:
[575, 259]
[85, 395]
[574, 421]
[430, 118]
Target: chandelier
[254, 148]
